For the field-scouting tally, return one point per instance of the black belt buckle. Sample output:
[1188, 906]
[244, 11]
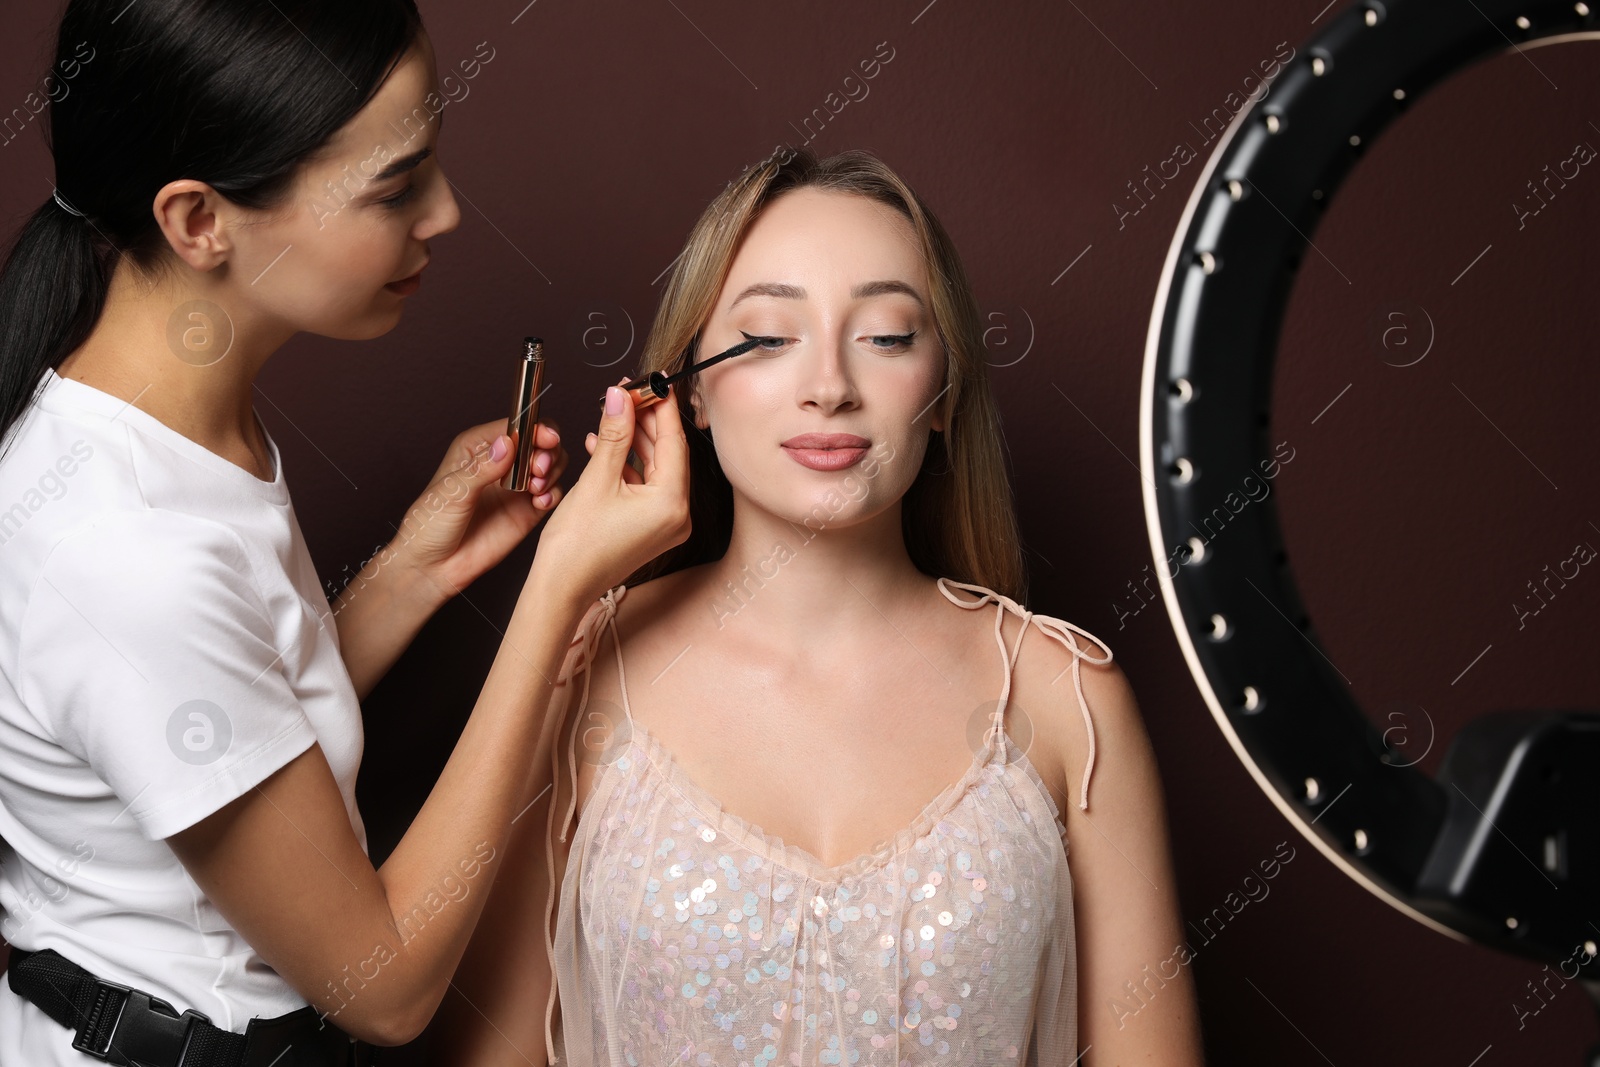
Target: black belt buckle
[147, 1029]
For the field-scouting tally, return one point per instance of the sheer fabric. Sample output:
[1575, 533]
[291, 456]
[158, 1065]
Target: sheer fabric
[685, 934]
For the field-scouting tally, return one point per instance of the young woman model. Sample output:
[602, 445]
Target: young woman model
[180, 728]
[757, 874]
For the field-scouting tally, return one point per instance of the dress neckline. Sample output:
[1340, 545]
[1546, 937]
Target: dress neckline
[996, 745]
[991, 761]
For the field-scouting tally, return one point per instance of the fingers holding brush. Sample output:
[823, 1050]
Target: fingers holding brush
[633, 468]
[630, 470]
[644, 442]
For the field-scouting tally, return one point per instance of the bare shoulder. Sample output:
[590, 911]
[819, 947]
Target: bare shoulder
[1045, 692]
[654, 601]
[643, 612]
[640, 607]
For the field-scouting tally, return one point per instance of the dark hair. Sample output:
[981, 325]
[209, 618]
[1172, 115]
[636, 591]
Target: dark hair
[233, 93]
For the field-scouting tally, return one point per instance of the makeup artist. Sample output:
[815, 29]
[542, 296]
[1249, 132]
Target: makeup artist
[183, 872]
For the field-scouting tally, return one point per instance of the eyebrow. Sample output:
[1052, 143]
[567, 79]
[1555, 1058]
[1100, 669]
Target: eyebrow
[794, 292]
[403, 165]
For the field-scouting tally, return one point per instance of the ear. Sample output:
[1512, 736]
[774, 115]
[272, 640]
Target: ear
[194, 219]
[700, 419]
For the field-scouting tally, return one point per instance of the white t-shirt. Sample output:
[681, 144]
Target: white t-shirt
[165, 645]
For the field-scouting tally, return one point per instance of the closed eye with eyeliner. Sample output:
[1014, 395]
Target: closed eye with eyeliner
[779, 339]
[888, 343]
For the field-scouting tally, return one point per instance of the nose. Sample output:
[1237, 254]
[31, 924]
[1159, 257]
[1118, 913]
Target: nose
[444, 215]
[827, 382]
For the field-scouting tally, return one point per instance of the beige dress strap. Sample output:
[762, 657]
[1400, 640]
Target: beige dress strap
[1059, 630]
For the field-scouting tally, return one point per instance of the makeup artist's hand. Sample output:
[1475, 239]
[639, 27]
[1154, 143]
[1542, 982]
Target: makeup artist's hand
[465, 523]
[618, 518]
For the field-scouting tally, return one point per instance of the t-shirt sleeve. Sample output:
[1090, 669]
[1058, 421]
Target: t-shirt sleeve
[148, 650]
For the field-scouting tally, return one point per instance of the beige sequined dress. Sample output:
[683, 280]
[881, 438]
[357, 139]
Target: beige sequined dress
[687, 935]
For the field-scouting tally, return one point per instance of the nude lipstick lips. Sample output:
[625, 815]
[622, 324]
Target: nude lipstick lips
[826, 451]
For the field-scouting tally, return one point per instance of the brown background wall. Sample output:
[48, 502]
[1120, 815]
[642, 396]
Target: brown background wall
[1420, 501]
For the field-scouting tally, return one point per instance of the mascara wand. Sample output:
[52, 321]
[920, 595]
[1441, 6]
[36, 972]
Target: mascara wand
[653, 388]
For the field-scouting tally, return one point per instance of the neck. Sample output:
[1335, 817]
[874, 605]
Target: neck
[797, 585]
[167, 346]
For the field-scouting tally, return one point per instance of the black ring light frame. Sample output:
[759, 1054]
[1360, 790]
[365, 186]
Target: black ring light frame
[1503, 847]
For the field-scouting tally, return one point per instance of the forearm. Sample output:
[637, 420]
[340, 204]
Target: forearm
[483, 787]
[493, 1014]
[379, 613]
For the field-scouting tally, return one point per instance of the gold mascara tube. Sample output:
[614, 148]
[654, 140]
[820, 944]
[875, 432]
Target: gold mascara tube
[525, 415]
[652, 388]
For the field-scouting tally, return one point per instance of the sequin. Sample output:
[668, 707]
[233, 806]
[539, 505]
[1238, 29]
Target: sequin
[960, 925]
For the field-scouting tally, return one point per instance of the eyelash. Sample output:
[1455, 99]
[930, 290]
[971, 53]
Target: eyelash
[400, 199]
[899, 338]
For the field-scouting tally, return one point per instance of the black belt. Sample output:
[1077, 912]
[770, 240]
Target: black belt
[129, 1028]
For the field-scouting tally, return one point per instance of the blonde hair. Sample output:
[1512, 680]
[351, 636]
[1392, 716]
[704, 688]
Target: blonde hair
[957, 516]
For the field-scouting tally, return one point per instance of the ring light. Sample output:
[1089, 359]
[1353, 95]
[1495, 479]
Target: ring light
[1503, 847]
